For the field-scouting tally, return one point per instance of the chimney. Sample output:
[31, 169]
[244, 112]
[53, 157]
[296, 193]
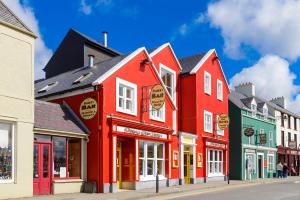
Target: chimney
[104, 38]
[279, 101]
[91, 60]
[247, 89]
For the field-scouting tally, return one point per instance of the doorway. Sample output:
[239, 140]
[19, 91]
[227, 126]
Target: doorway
[41, 169]
[260, 166]
[119, 165]
[187, 166]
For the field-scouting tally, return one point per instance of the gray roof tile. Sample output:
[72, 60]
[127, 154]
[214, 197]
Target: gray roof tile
[188, 63]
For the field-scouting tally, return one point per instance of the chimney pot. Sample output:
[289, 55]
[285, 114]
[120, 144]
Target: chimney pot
[91, 60]
[105, 38]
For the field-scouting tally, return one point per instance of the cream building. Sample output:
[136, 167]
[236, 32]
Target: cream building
[16, 105]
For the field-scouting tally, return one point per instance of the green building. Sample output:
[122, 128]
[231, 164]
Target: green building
[252, 135]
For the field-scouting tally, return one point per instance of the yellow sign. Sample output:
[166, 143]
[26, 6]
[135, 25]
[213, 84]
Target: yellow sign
[157, 97]
[223, 121]
[88, 108]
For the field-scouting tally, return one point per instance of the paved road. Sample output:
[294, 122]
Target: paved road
[275, 191]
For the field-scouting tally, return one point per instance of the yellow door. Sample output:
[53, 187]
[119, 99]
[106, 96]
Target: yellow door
[187, 167]
[119, 165]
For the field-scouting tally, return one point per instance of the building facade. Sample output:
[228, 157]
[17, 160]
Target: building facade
[16, 105]
[204, 146]
[253, 135]
[288, 135]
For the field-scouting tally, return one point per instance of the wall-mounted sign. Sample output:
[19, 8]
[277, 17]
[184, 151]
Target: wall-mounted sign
[199, 160]
[157, 97]
[140, 132]
[263, 138]
[88, 108]
[223, 121]
[292, 144]
[215, 144]
[249, 132]
[175, 159]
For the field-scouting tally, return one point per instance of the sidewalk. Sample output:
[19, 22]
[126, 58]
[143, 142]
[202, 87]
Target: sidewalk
[164, 193]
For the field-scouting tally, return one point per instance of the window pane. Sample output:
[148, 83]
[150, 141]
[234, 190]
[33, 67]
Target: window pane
[129, 93]
[59, 153]
[74, 155]
[150, 150]
[128, 104]
[121, 103]
[45, 161]
[141, 167]
[121, 91]
[150, 167]
[5, 152]
[35, 161]
[160, 151]
[141, 150]
[160, 165]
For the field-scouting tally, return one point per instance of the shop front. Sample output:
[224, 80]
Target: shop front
[291, 157]
[216, 157]
[140, 153]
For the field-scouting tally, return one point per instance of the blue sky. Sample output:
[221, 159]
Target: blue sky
[252, 43]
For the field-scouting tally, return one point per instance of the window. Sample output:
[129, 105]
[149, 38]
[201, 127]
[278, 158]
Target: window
[265, 112]
[6, 153]
[289, 137]
[219, 131]
[296, 141]
[250, 163]
[82, 78]
[66, 157]
[282, 119]
[151, 160]
[207, 83]
[48, 87]
[168, 77]
[270, 163]
[295, 123]
[219, 90]
[215, 162]
[158, 115]
[271, 138]
[253, 108]
[282, 138]
[208, 122]
[126, 97]
[289, 121]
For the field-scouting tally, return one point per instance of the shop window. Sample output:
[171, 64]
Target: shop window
[208, 121]
[215, 162]
[168, 77]
[219, 90]
[158, 115]
[207, 83]
[270, 163]
[151, 160]
[6, 153]
[250, 163]
[66, 157]
[126, 97]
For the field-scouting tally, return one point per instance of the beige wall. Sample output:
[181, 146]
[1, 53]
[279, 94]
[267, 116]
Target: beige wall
[16, 105]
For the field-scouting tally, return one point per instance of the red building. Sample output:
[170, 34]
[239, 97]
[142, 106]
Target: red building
[203, 97]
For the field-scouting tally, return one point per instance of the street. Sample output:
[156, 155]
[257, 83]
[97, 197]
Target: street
[274, 191]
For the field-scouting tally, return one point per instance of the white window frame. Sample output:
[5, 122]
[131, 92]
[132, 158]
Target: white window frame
[157, 118]
[220, 172]
[211, 124]
[273, 163]
[271, 139]
[173, 82]
[219, 93]
[207, 89]
[219, 131]
[12, 180]
[145, 176]
[134, 103]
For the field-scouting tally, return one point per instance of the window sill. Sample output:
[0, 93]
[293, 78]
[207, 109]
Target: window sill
[152, 178]
[157, 119]
[76, 180]
[215, 175]
[126, 112]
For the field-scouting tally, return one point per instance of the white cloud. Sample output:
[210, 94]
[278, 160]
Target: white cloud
[272, 77]
[270, 27]
[85, 8]
[183, 29]
[42, 52]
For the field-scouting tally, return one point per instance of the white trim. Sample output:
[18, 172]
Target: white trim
[118, 66]
[170, 160]
[258, 147]
[220, 97]
[153, 53]
[218, 161]
[114, 158]
[134, 103]
[209, 75]
[211, 115]
[137, 168]
[268, 170]
[162, 66]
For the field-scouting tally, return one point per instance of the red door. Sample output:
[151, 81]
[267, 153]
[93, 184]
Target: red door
[41, 168]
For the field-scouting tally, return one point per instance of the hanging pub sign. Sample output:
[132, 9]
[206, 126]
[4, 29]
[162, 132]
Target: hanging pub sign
[88, 108]
[157, 97]
[292, 144]
[223, 121]
[249, 132]
[263, 138]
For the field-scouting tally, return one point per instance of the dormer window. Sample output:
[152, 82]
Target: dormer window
[48, 87]
[82, 78]
[253, 108]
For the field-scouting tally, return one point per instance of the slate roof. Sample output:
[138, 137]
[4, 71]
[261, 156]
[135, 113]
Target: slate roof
[6, 15]
[281, 109]
[65, 80]
[188, 63]
[51, 116]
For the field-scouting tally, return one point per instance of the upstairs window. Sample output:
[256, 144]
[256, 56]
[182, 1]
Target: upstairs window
[168, 77]
[82, 78]
[219, 90]
[48, 87]
[158, 115]
[208, 124]
[289, 121]
[207, 83]
[271, 138]
[295, 123]
[265, 112]
[126, 97]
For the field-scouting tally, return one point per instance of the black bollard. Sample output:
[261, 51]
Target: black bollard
[157, 184]
[228, 180]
